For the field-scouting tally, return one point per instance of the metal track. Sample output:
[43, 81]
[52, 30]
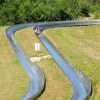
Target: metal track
[80, 82]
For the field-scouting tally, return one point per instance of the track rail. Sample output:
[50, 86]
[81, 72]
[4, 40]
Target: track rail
[80, 82]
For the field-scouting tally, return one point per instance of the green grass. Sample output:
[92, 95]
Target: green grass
[55, 80]
[80, 45]
[13, 79]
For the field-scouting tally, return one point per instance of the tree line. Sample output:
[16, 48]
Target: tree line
[23, 11]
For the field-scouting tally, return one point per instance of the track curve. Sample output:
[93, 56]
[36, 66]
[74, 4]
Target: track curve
[80, 82]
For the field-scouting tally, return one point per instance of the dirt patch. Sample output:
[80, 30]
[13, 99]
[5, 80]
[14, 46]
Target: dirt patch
[35, 59]
[97, 97]
[92, 53]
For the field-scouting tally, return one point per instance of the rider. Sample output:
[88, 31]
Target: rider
[37, 30]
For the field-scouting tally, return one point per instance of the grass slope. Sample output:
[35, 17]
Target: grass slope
[80, 45]
[56, 83]
[13, 80]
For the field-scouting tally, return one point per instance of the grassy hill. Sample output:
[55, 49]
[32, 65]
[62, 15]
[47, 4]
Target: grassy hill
[80, 45]
[13, 80]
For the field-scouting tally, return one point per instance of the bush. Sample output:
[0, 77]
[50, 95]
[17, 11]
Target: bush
[85, 9]
[23, 11]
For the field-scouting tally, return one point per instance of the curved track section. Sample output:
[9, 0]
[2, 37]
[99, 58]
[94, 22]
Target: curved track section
[36, 76]
[80, 82]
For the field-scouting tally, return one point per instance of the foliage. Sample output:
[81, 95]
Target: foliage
[23, 11]
[85, 9]
[1, 1]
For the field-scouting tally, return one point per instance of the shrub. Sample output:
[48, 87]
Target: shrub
[85, 9]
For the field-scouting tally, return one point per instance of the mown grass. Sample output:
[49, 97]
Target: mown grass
[80, 45]
[56, 83]
[13, 79]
